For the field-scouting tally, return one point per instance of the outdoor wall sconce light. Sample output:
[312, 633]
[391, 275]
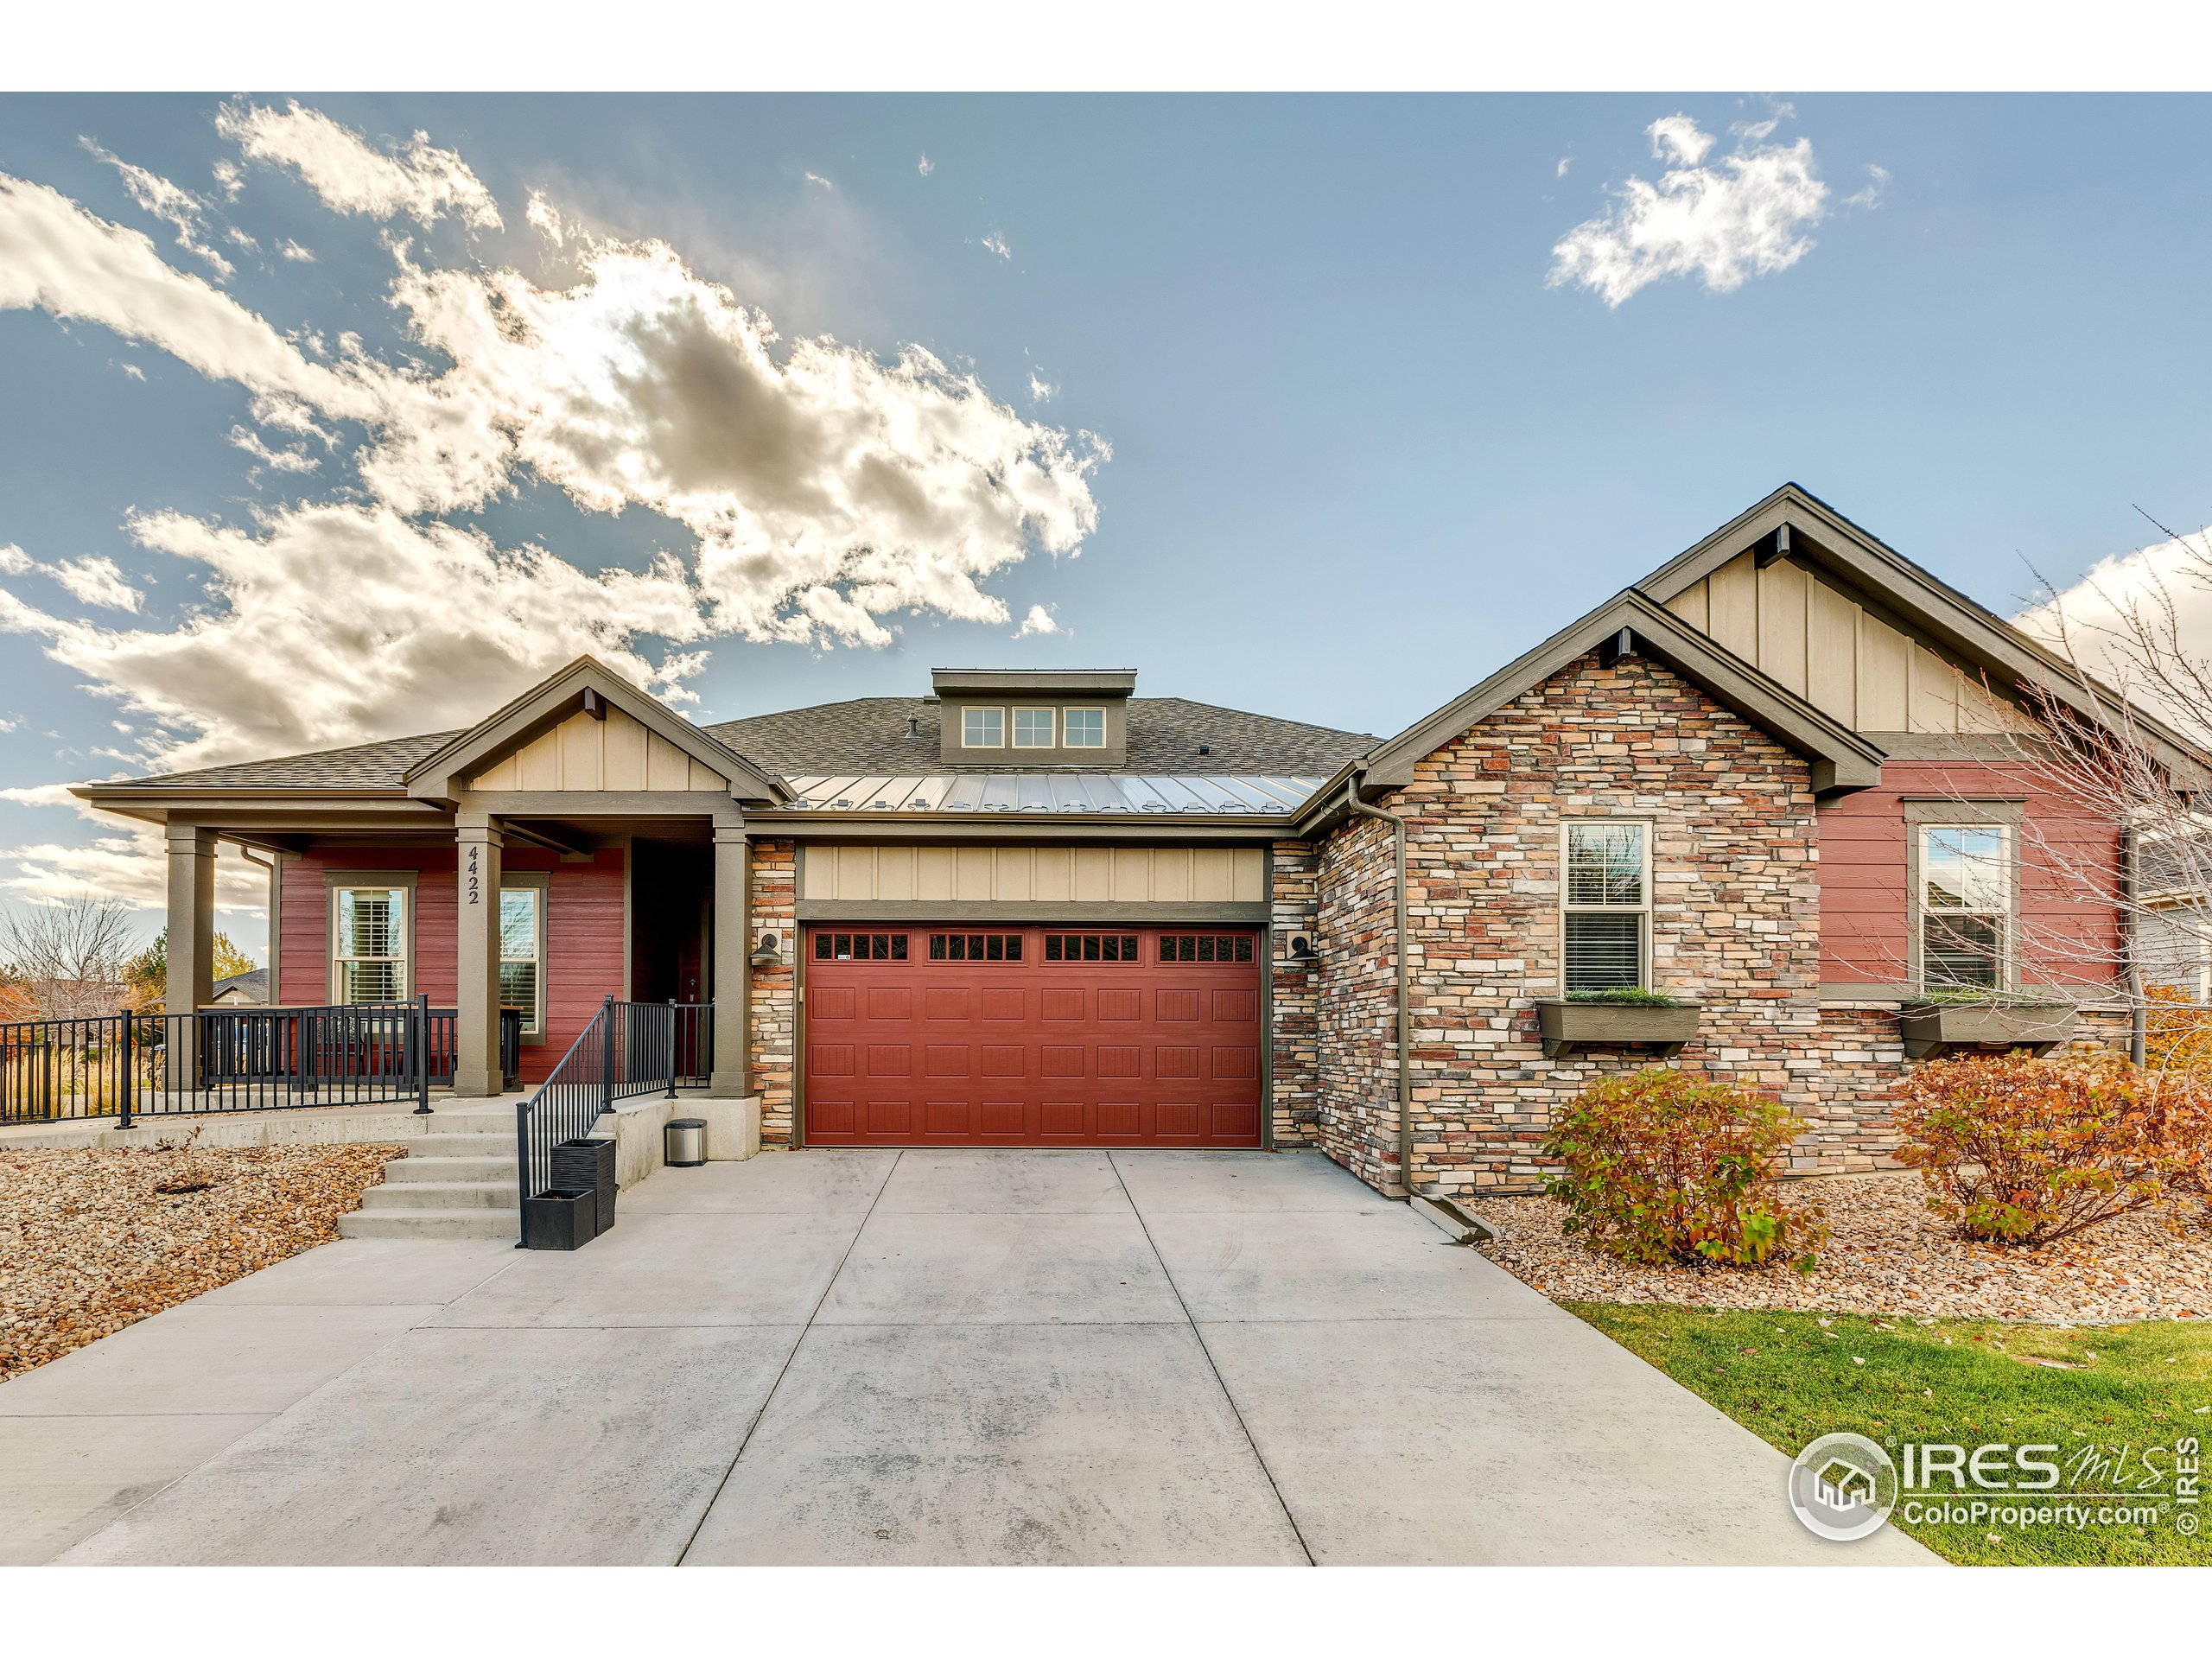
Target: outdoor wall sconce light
[1301, 949]
[767, 955]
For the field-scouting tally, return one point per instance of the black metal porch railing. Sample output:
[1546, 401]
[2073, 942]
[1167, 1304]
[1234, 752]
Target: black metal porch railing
[629, 1049]
[126, 1065]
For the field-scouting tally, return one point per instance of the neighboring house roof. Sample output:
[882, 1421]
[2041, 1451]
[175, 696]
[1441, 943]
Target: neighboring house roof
[250, 987]
[868, 736]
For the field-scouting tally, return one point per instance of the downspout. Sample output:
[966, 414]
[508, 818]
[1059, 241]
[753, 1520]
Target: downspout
[1405, 1008]
[269, 866]
[2138, 1015]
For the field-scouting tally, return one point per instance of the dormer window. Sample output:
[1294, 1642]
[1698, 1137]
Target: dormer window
[982, 729]
[1084, 728]
[1034, 728]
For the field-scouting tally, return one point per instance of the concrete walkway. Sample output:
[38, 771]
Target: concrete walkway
[917, 1358]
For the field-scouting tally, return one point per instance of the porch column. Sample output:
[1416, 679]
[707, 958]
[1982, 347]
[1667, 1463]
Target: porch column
[476, 984]
[191, 941]
[733, 977]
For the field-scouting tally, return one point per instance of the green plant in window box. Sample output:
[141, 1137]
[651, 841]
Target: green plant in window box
[1634, 996]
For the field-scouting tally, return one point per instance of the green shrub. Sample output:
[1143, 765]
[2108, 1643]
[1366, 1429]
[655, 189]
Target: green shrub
[1627, 995]
[2027, 1151]
[1664, 1167]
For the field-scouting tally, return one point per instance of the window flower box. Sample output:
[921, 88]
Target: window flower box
[1935, 1028]
[1566, 1024]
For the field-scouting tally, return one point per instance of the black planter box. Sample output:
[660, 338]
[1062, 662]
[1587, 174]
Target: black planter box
[588, 1164]
[559, 1220]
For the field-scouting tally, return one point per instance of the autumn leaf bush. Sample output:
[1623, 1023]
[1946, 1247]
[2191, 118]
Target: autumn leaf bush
[1664, 1167]
[2028, 1151]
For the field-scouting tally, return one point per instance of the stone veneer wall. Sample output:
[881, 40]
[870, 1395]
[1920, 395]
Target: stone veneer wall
[1734, 921]
[1359, 1013]
[772, 1013]
[1861, 1065]
[1294, 1079]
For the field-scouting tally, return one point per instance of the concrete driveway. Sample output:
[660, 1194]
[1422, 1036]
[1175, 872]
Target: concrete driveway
[898, 1358]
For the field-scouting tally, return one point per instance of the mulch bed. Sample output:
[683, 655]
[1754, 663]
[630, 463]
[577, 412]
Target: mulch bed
[90, 1241]
[1889, 1254]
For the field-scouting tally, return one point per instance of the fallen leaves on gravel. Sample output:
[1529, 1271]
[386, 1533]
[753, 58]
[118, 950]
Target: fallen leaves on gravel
[1889, 1254]
[90, 1242]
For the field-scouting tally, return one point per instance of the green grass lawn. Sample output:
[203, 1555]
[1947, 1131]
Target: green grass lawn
[1787, 1379]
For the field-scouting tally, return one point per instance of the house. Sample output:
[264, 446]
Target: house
[246, 989]
[1779, 780]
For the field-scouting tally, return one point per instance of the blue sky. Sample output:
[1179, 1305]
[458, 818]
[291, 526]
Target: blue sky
[1282, 379]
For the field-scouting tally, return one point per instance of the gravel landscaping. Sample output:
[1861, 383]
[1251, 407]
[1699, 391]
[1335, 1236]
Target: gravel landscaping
[1888, 1254]
[91, 1241]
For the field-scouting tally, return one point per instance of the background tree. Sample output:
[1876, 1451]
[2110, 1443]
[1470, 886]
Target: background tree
[69, 959]
[147, 974]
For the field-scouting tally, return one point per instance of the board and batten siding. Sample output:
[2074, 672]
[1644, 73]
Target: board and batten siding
[1041, 876]
[1832, 651]
[581, 753]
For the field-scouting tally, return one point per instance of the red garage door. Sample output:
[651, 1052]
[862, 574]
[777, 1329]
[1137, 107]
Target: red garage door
[1032, 1036]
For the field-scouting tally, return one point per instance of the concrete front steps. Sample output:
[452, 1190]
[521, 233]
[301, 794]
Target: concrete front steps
[457, 1183]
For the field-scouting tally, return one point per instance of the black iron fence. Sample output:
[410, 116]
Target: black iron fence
[628, 1049]
[126, 1065]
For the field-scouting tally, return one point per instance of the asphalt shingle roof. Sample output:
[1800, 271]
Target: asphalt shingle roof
[365, 765]
[867, 736]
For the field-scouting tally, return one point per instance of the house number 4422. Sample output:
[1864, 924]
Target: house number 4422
[475, 878]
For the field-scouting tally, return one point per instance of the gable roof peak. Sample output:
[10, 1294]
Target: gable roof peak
[586, 684]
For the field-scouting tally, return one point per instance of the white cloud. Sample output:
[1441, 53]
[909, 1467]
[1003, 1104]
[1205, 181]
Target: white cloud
[1676, 138]
[352, 177]
[96, 581]
[927, 167]
[8, 725]
[996, 244]
[56, 258]
[822, 492]
[1745, 217]
[170, 203]
[815, 178]
[342, 623]
[241, 239]
[1041, 390]
[284, 460]
[2169, 584]
[1878, 180]
[1565, 161]
[1040, 621]
[546, 219]
[295, 253]
[230, 179]
[133, 371]
[14, 561]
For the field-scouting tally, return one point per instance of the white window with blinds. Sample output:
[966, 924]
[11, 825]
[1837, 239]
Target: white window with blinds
[1606, 904]
[369, 941]
[1966, 904]
[521, 956]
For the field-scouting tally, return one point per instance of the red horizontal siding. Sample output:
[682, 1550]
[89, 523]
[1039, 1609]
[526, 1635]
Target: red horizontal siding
[583, 927]
[2069, 928]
